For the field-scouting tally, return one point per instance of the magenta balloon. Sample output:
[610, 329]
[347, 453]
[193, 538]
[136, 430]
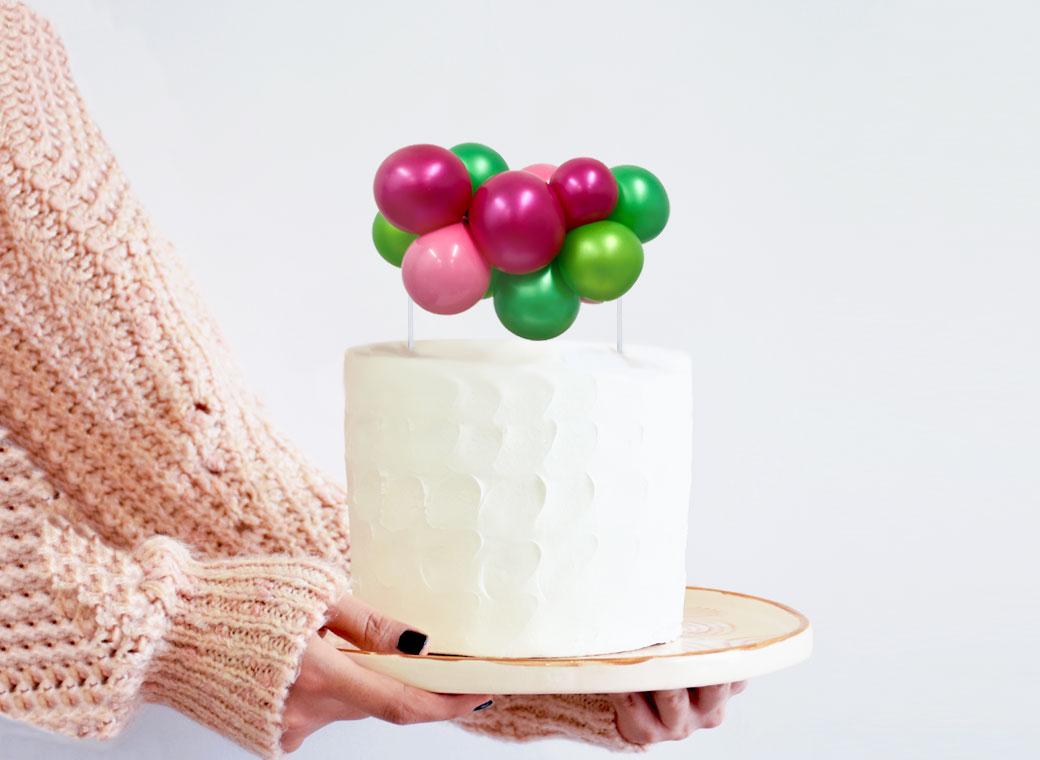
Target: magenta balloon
[586, 189]
[422, 188]
[543, 171]
[444, 272]
[516, 222]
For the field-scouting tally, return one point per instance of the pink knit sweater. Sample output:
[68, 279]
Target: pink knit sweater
[158, 540]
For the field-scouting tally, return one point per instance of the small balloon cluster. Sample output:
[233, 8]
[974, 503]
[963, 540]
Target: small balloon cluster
[462, 226]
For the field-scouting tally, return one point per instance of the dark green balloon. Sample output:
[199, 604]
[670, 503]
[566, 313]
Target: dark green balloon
[491, 285]
[642, 202]
[536, 306]
[601, 260]
[481, 162]
[390, 241]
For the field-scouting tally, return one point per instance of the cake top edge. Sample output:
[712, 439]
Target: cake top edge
[520, 353]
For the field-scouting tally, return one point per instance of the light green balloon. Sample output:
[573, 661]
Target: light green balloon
[536, 306]
[602, 260]
[642, 204]
[481, 162]
[390, 241]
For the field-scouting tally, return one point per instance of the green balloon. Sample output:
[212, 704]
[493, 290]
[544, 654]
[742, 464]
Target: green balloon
[602, 260]
[481, 162]
[390, 241]
[642, 202]
[536, 306]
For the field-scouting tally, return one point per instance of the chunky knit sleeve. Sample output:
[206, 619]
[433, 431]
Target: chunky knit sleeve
[125, 438]
[113, 376]
[87, 631]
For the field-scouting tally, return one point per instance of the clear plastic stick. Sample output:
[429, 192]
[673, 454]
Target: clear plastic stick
[620, 341]
[411, 324]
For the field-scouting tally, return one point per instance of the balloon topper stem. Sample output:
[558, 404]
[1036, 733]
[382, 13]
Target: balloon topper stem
[620, 341]
[411, 324]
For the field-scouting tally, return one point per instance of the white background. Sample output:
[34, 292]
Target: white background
[852, 262]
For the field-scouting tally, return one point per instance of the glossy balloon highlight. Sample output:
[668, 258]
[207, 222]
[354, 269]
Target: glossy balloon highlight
[481, 162]
[517, 222]
[601, 261]
[444, 272]
[538, 305]
[422, 188]
[586, 190]
[642, 204]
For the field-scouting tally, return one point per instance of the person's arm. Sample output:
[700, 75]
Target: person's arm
[87, 631]
[116, 382]
[113, 375]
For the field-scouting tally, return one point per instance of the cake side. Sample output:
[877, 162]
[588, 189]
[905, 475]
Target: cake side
[520, 500]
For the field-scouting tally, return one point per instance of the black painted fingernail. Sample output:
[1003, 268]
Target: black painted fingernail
[484, 706]
[411, 642]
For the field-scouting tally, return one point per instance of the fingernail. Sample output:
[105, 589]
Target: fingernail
[411, 642]
[484, 705]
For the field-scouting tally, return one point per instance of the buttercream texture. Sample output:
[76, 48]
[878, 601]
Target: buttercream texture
[518, 499]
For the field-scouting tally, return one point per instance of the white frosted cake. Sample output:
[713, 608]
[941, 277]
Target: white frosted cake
[515, 499]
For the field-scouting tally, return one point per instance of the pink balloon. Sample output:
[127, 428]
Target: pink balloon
[589, 300]
[542, 171]
[516, 222]
[444, 272]
[586, 189]
[422, 188]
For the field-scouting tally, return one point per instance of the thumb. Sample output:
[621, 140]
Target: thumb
[371, 630]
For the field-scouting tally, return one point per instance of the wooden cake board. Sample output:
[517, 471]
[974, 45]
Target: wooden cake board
[726, 637]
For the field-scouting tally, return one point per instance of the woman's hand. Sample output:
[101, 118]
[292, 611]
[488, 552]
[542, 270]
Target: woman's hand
[332, 687]
[657, 716]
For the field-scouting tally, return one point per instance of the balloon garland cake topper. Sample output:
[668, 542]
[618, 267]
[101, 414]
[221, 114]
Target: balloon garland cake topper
[540, 241]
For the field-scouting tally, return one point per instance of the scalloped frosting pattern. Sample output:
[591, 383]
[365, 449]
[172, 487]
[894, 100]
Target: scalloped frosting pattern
[518, 500]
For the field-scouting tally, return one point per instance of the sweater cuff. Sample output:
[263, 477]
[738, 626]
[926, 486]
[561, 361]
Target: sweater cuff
[587, 718]
[237, 632]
